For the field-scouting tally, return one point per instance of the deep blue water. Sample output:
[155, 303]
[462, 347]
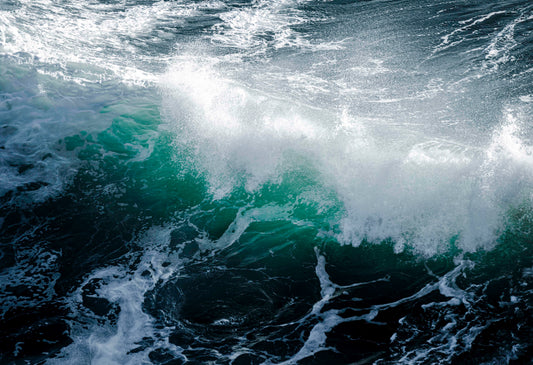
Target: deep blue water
[266, 182]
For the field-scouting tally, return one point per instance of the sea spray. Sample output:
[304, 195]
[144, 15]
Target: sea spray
[265, 182]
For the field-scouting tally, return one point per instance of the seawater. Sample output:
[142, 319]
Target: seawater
[266, 182]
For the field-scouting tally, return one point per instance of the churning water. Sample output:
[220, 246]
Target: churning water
[266, 182]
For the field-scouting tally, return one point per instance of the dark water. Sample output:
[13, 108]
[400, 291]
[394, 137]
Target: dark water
[266, 182]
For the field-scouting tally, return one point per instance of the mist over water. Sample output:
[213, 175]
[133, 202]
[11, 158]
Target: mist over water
[260, 182]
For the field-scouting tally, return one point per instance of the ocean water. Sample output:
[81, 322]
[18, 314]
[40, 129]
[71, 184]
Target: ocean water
[266, 182]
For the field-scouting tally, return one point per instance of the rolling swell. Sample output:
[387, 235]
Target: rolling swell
[266, 182]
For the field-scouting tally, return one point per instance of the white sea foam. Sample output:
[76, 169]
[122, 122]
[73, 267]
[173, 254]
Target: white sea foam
[245, 216]
[246, 131]
[415, 189]
[90, 42]
[457, 36]
[267, 25]
[397, 171]
[447, 339]
[327, 320]
[113, 344]
[498, 51]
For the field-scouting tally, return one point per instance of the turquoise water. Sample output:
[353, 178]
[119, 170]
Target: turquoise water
[265, 182]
